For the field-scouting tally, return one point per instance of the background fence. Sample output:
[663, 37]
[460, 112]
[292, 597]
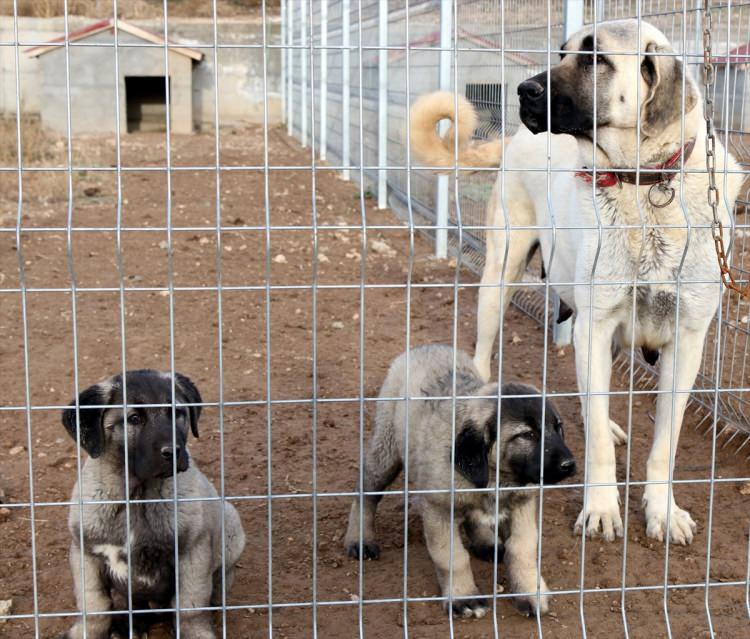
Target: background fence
[237, 256]
[364, 63]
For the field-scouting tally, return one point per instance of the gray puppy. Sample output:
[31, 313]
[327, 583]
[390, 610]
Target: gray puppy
[477, 455]
[152, 456]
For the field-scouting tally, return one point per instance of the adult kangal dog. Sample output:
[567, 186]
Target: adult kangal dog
[619, 247]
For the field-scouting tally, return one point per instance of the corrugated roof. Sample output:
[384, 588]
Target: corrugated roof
[109, 25]
[738, 55]
[434, 38]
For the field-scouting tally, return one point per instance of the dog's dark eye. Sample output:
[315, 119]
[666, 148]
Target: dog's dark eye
[134, 419]
[530, 435]
[588, 60]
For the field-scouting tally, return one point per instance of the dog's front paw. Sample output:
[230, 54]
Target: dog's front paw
[122, 631]
[619, 436]
[468, 608]
[370, 550]
[116, 634]
[602, 514]
[527, 605]
[681, 525]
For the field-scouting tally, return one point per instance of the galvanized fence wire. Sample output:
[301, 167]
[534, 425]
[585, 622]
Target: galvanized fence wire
[681, 22]
[401, 50]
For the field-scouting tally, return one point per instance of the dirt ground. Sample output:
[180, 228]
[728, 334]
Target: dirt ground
[301, 320]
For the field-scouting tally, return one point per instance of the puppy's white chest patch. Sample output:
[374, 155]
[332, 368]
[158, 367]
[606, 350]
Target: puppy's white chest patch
[115, 558]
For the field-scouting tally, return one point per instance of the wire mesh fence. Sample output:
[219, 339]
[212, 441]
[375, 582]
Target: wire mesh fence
[236, 199]
[497, 47]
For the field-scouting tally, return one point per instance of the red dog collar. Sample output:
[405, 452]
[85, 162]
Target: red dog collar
[648, 175]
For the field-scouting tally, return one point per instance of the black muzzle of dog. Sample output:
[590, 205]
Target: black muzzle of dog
[559, 462]
[566, 115]
[156, 455]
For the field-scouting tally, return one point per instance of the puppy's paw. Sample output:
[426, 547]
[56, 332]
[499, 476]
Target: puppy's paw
[121, 631]
[681, 524]
[468, 608]
[370, 550]
[527, 605]
[602, 514]
[619, 436]
[98, 627]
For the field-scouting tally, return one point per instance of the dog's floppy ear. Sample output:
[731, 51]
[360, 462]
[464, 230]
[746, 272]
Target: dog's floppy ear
[663, 103]
[472, 454]
[91, 419]
[192, 396]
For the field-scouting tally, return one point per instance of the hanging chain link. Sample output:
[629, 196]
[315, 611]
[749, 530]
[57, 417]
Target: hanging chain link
[717, 229]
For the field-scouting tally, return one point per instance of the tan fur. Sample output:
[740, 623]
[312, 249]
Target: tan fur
[433, 438]
[520, 551]
[436, 151]
[437, 534]
[95, 597]
[604, 238]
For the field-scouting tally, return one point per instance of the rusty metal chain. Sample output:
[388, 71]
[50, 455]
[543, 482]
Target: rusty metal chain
[717, 229]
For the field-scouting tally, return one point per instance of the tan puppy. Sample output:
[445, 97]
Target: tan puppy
[478, 450]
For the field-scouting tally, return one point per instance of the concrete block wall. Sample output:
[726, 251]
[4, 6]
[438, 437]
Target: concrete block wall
[240, 69]
[92, 85]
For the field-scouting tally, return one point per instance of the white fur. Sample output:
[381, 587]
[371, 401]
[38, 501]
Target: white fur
[581, 225]
[117, 565]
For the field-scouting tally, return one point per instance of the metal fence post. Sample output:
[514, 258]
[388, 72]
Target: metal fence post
[303, 71]
[382, 105]
[562, 333]
[345, 89]
[323, 78]
[573, 17]
[284, 100]
[698, 27]
[443, 191]
[290, 67]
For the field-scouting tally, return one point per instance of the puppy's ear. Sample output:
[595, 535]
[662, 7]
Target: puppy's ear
[192, 396]
[663, 103]
[91, 419]
[472, 454]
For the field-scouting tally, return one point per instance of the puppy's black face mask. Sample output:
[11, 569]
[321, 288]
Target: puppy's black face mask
[521, 450]
[156, 435]
[153, 452]
[558, 461]
[528, 448]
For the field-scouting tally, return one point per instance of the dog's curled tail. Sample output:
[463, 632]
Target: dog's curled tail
[436, 151]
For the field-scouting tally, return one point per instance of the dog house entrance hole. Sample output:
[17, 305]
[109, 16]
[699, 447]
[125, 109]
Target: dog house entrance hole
[146, 98]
